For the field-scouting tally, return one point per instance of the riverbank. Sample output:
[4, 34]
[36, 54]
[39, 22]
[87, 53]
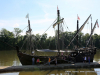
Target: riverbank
[47, 67]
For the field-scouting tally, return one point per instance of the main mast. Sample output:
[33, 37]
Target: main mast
[58, 14]
[57, 23]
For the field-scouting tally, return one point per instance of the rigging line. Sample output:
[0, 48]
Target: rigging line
[25, 27]
[24, 42]
[66, 25]
[87, 28]
[79, 43]
[35, 45]
[50, 40]
[46, 30]
[39, 44]
[68, 41]
[49, 26]
[75, 39]
[17, 35]
[70, 31]
[55, 38]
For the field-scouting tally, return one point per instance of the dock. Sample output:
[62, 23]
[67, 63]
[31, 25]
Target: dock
[48, 67]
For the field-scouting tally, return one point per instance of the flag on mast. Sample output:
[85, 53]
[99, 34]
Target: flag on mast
[97, 24]
[27, 16]
[78, 17]
[57, 7]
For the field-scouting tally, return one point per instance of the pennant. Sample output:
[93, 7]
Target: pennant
[78, 18]
[97, 24]
[57, 8]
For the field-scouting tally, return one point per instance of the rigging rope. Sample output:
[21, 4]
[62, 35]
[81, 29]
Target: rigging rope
[50, 40]
[43, 33]
[49, 26]
[23, 43]
[70, 31]
[55, 38]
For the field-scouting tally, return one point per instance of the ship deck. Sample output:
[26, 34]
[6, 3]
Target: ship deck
[48, 67]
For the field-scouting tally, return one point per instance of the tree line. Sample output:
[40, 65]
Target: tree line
[9, 40]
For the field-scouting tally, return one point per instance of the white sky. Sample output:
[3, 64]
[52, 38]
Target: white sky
[42, 13]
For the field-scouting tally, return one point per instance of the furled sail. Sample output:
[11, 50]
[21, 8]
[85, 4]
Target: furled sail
[81, 28]
[91, 33]
[58, 22]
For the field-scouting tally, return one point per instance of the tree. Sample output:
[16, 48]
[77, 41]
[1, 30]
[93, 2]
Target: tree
[17, 31]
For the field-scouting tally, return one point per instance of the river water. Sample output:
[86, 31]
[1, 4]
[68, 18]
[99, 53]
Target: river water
[9, 58]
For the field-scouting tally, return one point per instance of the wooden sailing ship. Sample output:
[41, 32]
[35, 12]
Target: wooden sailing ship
[76, 55]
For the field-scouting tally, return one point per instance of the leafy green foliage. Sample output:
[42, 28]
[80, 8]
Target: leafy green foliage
[11, 39]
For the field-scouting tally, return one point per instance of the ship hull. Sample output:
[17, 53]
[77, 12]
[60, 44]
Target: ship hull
[26, 59]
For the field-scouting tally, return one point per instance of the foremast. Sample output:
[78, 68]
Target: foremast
[29, 32]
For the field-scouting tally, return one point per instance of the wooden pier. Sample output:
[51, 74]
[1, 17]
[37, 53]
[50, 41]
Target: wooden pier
[47, 67]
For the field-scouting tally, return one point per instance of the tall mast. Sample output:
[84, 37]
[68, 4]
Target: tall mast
[57, 23]
[29, 31]
[91, 31]
[58, 14]
[80, 29]
[77, 30]
[30, 36]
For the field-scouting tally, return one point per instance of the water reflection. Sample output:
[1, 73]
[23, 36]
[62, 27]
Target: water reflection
[78, 71]
[97, 56]
[9, 58]
[61, 72]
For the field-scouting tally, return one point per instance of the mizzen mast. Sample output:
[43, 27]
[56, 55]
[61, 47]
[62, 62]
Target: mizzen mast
[77, 29]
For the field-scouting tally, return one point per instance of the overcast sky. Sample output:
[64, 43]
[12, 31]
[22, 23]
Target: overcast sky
[42, 13]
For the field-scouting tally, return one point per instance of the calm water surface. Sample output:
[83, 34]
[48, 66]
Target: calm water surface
[9, 58]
